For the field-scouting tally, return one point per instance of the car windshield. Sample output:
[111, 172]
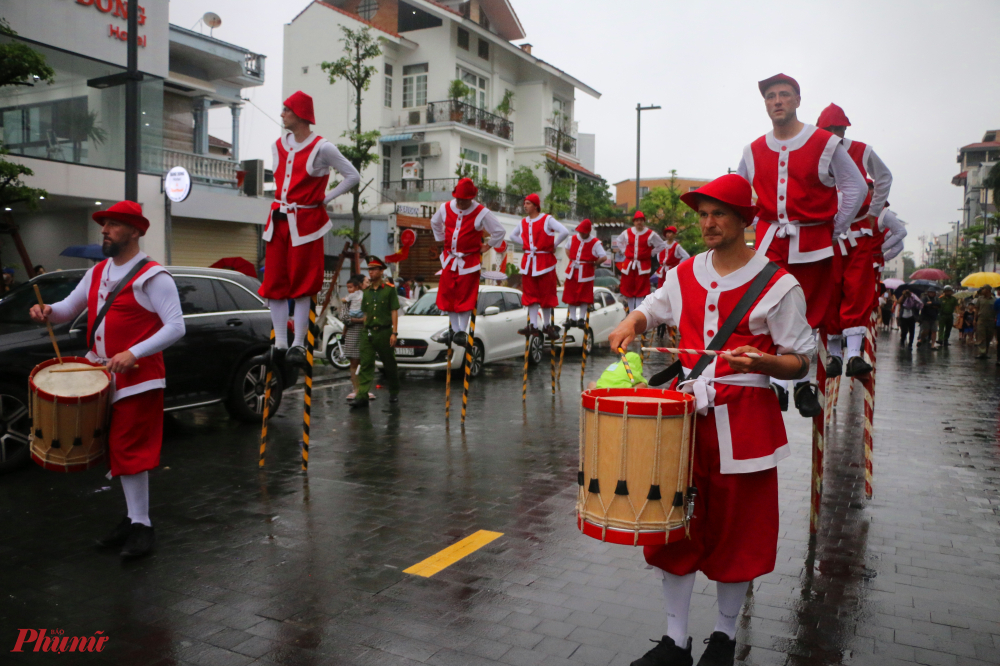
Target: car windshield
[603, 272]
[426, 306]
[15, 305]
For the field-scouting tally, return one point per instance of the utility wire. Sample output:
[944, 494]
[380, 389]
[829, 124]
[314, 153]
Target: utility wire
[264, 113]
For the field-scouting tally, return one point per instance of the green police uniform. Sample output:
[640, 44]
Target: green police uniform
[616, 377]
[378, 304]
[946, 317]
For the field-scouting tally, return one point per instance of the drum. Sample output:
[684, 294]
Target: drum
[69, 414]
[635, 465]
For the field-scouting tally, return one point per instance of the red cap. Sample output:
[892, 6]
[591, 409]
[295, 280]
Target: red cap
[832, 116]
[301, 105]
[639, 215]
[777, 78]
[465, 189]
[671, 228]
[128, 212]
[731, 189]
[584, 228]
[533, 198]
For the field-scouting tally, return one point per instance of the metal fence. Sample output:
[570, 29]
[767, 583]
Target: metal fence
[207, 169]
[456, 111]
[562, 141]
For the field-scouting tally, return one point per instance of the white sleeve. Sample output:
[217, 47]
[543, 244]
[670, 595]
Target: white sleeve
[852, 186]
[331, 158]
[892, 252]
[681, 253]
[656, 307]
[599, 252]
[162, 294]
[788, 326]
[491, 224]
[556, 228]
[656, 243]
[515, 236]
[894, 226]
[743, 170]
[880, 173]
[437, 223]
[70, 307]
[274, 157]
[620, 241]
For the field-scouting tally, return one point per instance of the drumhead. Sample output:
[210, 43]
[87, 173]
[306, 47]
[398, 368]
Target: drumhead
[70, 384]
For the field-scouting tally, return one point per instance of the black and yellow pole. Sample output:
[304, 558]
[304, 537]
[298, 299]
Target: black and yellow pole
[447, 379]
[552, 357]
[586, 337]
[267, 406]
[527, 346]
[562, 352]
[307, 408]
[628, 370]
[469, 344]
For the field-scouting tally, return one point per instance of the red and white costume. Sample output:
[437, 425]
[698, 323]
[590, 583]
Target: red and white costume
[639, 248]
[145, 318]
[584, 253]
[797, 182]
[461, 231]
[670, 257]
[740, 432]
[539, 236]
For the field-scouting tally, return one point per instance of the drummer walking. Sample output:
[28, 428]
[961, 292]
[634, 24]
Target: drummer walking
[141, 317]
[740, 433]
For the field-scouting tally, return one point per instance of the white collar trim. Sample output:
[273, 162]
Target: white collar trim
[706, 274]
[794, 143]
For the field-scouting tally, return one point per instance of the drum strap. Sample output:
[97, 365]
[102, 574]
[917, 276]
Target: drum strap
[719, 340]
[124, 282]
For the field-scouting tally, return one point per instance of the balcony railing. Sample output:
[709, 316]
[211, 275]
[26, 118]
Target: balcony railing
[453, 110]
[561, 141]
[207, 169]
[427, 189]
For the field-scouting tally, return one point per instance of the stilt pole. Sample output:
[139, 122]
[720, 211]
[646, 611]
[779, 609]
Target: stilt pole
[527, 346]
[447, 379]
[586, 337]
[818, 438]
[267, 408]
[562, 352]
[469, 344]
[307, 403]
[869, 386]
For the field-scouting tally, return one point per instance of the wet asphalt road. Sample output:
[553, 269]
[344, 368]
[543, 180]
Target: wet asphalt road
[277, 567]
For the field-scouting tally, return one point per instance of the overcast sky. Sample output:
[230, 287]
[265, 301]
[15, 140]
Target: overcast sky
[916, 78]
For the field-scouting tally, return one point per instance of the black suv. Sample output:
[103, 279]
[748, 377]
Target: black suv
[227, 325]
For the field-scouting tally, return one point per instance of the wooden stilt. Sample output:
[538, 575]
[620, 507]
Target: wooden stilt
[562, 351]
[307, 399]
[818, 438]
[527, 347]
[586, 337]
[469, 345]
[267, 408]
[869, 385]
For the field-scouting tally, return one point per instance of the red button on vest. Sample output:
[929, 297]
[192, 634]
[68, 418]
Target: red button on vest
[781, 215]
[784, 147]
[782, 180]
[711, 308]
[715, 285]
[781, 198]
[711, 333]
[781, 164]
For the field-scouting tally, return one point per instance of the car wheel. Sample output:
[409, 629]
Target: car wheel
[478, 354]
[15, 426]
[335, 354]
[246, 395]
[589, 342]
[535, 350]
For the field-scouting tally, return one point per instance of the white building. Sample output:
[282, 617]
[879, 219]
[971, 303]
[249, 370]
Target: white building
[71, 134]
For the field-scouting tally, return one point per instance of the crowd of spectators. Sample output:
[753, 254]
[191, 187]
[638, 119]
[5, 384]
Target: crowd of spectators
[977, 318]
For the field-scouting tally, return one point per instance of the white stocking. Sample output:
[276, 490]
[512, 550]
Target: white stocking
[302, 306]
[136, 487]
[463, 320]
[854, 343]
[454, 321]
[547, 316]
[576, 312]
[279, 321]
[634, 302]
[730, 597]
[533, 313]
[834, 345]
[677, 603]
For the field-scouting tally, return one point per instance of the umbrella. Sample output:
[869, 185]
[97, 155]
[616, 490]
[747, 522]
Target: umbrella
[977, 280]
[238, 264]
[929, 274]
[917, 287]
[892, 283]
[92, 252]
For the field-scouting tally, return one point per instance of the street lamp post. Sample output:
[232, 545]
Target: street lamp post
[132, 105]
[639, 108]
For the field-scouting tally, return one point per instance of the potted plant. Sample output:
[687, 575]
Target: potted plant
[505, 108]
[457, 91]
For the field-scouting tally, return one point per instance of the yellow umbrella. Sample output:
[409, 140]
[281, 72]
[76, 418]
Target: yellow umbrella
[977, 280]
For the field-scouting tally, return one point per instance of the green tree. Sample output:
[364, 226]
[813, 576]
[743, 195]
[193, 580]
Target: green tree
[359, 48]
[562, 184]
[663, 208]
[908, 265]
[593, 199]
[523, 182]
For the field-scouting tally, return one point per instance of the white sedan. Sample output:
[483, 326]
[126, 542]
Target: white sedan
[607, 313]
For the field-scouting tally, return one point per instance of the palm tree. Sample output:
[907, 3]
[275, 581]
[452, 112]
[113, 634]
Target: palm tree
[85, 127]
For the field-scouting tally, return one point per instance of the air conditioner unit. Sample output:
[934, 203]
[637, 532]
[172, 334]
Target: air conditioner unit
[414, 118]
[430, 149]
[253, 181]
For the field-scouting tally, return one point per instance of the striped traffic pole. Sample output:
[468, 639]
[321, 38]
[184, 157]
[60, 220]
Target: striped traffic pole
[469, 344]
[447, 379]
[527, 347]
[307, 407]
[818, 437]
[267, 406]
[586, 336]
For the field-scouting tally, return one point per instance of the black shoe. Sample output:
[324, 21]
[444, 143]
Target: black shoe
[272, 355]
[782, 394]
[527, 330]
[393, 399]
[358, 402]
[807, 400]
[447, 338]
[461, 339]
[721, 651]
[118, 536]
[140, 541]
[297, 356]
[857, 367]
[551, 332]
[834, 366]
[666, 653]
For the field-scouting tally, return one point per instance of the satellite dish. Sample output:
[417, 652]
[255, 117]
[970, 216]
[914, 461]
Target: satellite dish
[212, 20]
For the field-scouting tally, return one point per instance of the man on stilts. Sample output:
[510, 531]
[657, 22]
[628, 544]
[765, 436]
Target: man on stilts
[133, 312]
[855, 248]
[460, 224]
[639, 243]
[539, 234]
[671, 253]
[293, 260]
[585, 252]
[797, 170]
[740, 435]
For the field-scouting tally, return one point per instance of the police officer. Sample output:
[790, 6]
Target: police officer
[380, 304]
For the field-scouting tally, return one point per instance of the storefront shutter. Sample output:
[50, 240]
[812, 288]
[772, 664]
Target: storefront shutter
[204, 242]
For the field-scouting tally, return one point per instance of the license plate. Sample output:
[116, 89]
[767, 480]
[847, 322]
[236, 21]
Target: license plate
[404, 351]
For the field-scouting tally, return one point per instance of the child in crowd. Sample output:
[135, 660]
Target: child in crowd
[353, 299]
[967, 334]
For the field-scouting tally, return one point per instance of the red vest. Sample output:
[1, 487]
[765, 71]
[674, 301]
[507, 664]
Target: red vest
[462, 241]
[539, 247]
[126, 324]
[582, 258]
[748, 419]
[859, 153]
[638, 253]
[300, 195]
[669, 256]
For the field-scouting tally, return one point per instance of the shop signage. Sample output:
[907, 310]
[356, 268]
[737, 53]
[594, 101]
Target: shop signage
[177, 184]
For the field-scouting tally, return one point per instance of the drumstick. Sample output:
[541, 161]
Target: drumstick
[707, 352]
[628, 370]
[88, 369]
[52, 336]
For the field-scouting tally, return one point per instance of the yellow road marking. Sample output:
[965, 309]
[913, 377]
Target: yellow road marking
[452, 554]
